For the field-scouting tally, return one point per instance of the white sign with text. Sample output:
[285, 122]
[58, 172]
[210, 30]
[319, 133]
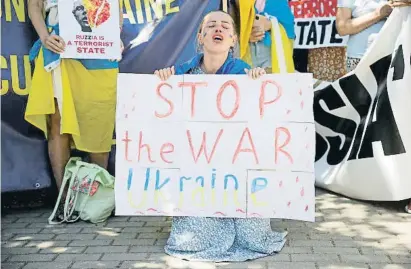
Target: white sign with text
[314, 33]
[90, 29]
[215, 146]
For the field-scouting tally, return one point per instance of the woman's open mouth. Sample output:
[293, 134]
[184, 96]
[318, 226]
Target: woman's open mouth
[218, 38]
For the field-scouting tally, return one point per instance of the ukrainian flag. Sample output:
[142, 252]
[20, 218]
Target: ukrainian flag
[247, 15]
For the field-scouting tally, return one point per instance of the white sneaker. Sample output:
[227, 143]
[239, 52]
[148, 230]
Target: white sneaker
[407, 209]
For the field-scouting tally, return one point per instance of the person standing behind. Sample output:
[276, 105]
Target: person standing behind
[257, 39]
[362, 20]
[70, 100]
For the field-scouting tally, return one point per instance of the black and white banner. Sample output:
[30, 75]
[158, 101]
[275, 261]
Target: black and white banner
[363, 120]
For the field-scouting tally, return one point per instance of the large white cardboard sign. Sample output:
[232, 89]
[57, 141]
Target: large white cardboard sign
[215, 146]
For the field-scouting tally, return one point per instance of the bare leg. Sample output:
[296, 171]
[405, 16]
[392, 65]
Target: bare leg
[101, 159]
[59, 147]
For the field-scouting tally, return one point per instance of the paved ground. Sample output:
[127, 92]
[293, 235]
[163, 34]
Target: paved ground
[347, 234]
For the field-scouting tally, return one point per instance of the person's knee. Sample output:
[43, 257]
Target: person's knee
[54, 126]
[100, 159]
[54, 122]
[100, 154]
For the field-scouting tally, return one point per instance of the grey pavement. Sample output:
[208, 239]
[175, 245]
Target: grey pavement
[347, 234]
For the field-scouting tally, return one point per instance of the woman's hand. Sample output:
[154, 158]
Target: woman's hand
[258, 30]
[267, 23]
[54, 43]
[400, 4]
[384, 10]
[255, 73]
[257, 34]
[165, 73]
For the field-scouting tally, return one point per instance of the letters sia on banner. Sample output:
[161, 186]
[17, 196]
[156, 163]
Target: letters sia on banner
[90, 28]
[215, 146]
[363, 120]
[315, 24]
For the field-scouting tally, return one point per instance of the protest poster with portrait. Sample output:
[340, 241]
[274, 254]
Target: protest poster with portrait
[90, 28]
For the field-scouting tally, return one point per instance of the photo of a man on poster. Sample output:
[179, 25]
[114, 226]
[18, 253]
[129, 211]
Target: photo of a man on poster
[80, 14]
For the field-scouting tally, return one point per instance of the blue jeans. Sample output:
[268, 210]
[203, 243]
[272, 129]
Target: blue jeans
[260, 55]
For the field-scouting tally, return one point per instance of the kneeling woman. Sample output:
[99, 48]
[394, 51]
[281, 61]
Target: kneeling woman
[219, 239]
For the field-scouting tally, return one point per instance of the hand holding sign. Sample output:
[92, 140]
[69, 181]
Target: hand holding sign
[258, 31]
[96, 31]
[54, 43]
[400, 3]
[384, 10]
[255, 73]
[165, 73]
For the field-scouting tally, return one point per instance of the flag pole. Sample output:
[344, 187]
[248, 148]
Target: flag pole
[225, 5]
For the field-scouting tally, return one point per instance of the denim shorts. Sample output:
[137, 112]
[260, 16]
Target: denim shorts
[260, 55]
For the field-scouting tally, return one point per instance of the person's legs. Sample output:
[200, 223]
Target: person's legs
[261, 55]
[58, 147]
[59, 154]
[101, 159]
[408, 207]
[352, 63]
